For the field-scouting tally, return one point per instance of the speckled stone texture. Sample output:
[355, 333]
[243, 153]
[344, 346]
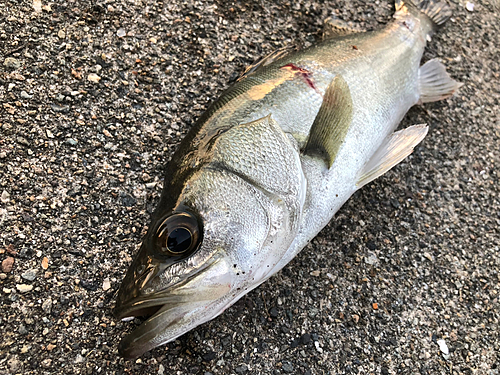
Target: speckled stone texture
[94, 98]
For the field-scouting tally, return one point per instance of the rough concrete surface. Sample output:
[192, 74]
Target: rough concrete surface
[94, 98]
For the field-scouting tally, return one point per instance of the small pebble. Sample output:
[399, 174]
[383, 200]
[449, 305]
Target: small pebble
[25, 95]
[287, 367]
[47, 305]
[12, 63]
[5, 197]
[14, 365]
[94, 78]
[241, 369]
[22, 329]
[443, 347]
[318, 347]
[429, 256]
[273, 312]
[29, 275]
[106, 284]
[371, 259]
[23, 288]
[37, 5]
[305, 339]
[7, 264]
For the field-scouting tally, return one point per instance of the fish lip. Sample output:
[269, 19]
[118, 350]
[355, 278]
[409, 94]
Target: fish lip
[143, 305]
[129, 349]
[126, 308]
[153, 308]
[139, 307]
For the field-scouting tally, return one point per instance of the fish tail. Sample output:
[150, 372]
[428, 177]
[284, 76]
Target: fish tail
[437, 11]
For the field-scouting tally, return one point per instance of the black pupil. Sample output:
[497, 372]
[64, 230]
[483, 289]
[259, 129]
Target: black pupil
[179, 240]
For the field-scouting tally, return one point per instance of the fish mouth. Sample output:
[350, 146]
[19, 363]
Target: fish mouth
[165, 321]
[142, 307]
[161, 313]
[171, 313]
[151, 333]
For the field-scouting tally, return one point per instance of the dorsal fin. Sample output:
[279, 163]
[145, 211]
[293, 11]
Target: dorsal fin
[334, 27]
[266, 60]
[331, 123]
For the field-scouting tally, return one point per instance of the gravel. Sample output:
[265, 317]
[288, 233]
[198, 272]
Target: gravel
[95, 97]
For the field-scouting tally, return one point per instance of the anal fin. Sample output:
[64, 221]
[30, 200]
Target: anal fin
[434, 83]
[395, 148]
[331, 123]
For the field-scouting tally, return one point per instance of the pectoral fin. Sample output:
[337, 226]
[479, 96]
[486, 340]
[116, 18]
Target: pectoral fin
[331, 123]
[396, 147]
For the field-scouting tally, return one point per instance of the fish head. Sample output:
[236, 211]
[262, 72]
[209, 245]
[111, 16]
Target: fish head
[218, 239]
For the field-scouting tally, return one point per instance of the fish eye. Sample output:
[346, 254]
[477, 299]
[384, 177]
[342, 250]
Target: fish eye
[178, 234]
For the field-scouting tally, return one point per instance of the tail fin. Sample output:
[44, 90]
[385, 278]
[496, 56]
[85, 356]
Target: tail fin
[437, 10]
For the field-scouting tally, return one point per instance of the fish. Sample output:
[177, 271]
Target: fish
[270, 162]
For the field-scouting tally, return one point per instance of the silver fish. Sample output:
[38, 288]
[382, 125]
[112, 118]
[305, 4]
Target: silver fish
[271, 161]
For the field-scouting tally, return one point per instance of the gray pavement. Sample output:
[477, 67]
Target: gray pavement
[94, 98]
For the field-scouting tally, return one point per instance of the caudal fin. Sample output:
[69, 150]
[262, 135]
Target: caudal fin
[438, 11]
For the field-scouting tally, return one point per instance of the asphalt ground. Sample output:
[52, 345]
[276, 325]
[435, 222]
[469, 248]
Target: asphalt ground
[94, 99]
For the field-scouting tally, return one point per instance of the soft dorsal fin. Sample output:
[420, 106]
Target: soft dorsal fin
[334, 27]
[266, 60]
[395, 148]
[331, 123]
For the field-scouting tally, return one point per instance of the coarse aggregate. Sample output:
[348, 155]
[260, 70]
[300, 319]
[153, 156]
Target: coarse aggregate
[95, 97]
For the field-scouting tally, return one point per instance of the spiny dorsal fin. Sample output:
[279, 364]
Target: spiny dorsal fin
[331, 123]
[266, 60]
[434, 83]
[395, 148]
[334, 27]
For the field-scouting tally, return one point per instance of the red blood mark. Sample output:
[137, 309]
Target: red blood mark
[408, 24]
[305, 74]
